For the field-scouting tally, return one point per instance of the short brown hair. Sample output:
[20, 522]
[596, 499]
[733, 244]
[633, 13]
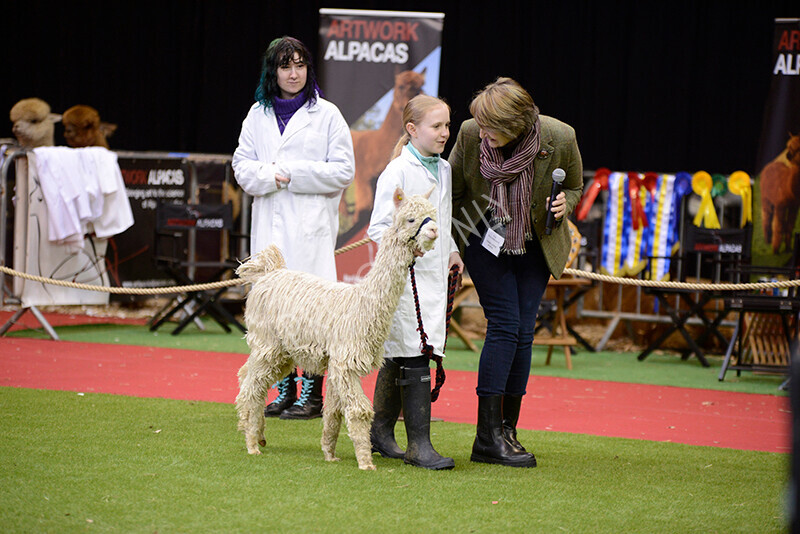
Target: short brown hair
[505, 107]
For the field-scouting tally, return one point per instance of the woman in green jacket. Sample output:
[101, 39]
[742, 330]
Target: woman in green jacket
[503, 166]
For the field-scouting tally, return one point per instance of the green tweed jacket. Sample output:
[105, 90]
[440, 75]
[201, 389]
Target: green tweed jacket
[559, 148]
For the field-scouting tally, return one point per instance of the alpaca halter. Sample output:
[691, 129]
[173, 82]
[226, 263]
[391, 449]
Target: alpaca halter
[424, 222]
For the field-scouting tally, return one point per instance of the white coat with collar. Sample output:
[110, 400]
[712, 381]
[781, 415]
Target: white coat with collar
[431, 270]
[316, 153]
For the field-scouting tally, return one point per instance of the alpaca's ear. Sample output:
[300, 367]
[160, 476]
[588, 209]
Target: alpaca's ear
[428, 194]
[398, 197]
[54, 117]
[108, 128]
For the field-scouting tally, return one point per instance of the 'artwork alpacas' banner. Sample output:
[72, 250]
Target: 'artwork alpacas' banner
[370, 64]
[776, 199]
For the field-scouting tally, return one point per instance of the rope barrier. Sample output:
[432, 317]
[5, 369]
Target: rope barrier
[151, 290]
[125, 290]
[780, 284]
[351, 246]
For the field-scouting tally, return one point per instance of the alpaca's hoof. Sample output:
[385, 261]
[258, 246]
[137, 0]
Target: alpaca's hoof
[368, 467]
[262, 442]
[332, 458]
[255, 451]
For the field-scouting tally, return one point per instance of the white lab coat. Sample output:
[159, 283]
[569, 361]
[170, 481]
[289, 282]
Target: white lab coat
[316, 153]
[431, 270]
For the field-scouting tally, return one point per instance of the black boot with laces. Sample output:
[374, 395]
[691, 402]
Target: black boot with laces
[287, 395]
[309, 404]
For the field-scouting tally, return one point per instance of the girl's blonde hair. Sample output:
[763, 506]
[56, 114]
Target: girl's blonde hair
[414, 112]
[504, 107]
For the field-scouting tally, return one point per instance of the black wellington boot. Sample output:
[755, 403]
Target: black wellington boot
[387, 404]
[287, 395]
[490, 447]
[416, 392]
[511, 406]
[309, 403]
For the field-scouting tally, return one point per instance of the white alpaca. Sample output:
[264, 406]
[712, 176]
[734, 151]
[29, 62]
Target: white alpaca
[298, 319]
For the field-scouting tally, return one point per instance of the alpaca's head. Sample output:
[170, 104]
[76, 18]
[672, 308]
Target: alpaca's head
[415, 220]
[33, 122]
[82, 127]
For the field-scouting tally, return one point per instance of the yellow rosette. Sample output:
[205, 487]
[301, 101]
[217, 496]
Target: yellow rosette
[707, 215]
[739, 184]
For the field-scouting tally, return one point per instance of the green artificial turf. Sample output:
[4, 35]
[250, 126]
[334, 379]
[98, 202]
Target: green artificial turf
[660, 368]
[105, 463]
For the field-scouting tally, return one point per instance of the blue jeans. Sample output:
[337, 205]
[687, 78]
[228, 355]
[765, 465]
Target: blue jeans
[509, 288]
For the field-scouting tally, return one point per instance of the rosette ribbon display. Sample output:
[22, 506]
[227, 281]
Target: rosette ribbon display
[702, 184]
[739, 184]
[719, 185]
[600, 183]
[635, 184]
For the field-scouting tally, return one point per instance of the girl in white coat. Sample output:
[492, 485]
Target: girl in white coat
[404, 380]
[295, 158]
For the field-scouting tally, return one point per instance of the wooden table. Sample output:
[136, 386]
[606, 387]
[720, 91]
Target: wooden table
[560, 335]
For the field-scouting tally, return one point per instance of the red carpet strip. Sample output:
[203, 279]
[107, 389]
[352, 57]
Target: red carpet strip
[28, 320]
[658, 413]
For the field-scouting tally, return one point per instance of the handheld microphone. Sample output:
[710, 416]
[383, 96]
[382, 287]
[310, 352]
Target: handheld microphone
[558, 177]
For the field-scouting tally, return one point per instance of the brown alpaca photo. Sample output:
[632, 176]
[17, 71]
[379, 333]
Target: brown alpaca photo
[780, 196]
[373, 148]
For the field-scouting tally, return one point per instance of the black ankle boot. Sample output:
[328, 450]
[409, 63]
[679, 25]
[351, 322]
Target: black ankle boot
[490, 447]
[511, 406]
[309, 404]
[287, 395]
[387, 403]
[416, 393]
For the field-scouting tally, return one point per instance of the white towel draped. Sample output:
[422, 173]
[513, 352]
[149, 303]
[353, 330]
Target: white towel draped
[84, 192]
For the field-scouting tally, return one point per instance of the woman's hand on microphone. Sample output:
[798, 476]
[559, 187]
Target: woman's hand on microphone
[559, 205]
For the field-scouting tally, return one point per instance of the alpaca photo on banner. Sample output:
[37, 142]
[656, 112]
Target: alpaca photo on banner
[776, 191]
[372, 63]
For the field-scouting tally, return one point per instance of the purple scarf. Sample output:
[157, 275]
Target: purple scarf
[285, 109]
[511, 185]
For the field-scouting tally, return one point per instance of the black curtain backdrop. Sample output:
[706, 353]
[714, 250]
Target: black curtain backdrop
[649, 86]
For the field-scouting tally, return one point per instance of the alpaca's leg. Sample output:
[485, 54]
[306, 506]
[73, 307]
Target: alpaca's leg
[767, 211]
[331, 422]
[263, 368]
[788, 229]
[777, 228]
[364, 193]
[358, 416]
[248, 406]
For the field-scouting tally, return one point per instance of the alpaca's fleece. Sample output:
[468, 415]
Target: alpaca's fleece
[298, 319]
[34, 125]
[82, 127]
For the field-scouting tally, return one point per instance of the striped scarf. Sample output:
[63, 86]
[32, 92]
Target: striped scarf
[511, 185]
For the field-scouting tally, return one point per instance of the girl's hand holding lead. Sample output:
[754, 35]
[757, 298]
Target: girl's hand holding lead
[455, 259]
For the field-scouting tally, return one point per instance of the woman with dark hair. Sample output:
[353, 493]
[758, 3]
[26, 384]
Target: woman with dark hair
[295, 158]
[503, 162]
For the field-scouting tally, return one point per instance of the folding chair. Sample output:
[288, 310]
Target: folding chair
[711, 254]
[766, 331]
[179, 227]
